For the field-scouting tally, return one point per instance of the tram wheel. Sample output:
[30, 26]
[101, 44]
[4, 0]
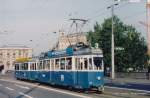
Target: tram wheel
[86, 91]
[70, 88]
[101, 89]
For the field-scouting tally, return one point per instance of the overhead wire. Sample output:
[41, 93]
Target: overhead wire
[105, 11]
[129, 17]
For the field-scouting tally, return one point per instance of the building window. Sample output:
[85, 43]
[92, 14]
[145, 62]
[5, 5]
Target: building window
[8, 55]
[1, 54]
[13, 63]
[8, 64]
[14, 55]
[1, 62]
[26, 54]
[19, 52]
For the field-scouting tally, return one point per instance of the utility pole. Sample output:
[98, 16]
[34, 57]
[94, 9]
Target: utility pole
[148, 25]
[112, 45]
[112, 42]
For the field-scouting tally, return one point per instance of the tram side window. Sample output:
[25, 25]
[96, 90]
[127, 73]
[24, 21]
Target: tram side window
[62, 63]
[90, 64]
[35, 66]
[44, 64]
[21, 66]
[57, 63]
[47, 66]
[31, 66]
[97, 63]
[25, 66]
[16, 66]
[81, 65]
[85, 63]
[69, 63]
[78, 64]
[40, 65]
[52, 64]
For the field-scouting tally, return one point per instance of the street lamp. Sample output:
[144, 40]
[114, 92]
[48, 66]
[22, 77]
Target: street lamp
[112, 41]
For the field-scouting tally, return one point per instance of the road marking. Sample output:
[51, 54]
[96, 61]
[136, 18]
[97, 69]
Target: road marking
[128, 89]
[9, 88]
[48, 88]
[0, 84]
[21, 93]
[24, 87]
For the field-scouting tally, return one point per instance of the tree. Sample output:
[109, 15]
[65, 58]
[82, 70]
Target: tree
[134, 53]
[94, 36]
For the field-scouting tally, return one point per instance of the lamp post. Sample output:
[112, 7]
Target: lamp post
[112, 41]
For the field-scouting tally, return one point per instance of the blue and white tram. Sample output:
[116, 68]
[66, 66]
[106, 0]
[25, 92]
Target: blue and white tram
[83, 71]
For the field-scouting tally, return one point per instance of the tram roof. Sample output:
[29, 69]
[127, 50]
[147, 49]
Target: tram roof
[70, 52]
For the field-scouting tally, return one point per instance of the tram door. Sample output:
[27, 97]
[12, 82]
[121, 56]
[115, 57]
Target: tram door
[77, 64]
[81, 69]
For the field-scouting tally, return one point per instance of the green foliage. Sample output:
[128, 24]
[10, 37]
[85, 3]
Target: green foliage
[134, 53]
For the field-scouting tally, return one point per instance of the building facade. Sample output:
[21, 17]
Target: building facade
[70, 39]
[9, 54]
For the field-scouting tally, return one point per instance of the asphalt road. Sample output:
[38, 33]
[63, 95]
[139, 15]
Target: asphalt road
[12, 88]
[26, 90]
[136, 86]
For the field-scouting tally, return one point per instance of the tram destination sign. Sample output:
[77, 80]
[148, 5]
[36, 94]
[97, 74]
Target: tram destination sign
[67, 52]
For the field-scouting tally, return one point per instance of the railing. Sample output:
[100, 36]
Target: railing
[133, 75]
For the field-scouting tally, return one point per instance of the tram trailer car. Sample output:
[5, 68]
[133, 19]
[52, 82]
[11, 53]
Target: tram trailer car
[82, 71]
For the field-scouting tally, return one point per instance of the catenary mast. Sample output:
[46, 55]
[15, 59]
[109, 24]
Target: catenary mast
[148, 25]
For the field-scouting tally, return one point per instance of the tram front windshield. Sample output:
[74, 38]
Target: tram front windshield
[97, 63]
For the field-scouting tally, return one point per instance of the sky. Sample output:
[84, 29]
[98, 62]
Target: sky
[32, 22]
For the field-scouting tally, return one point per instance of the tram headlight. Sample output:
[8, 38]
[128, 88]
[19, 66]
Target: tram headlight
[90, 82]
[43, 75]
[98, 78]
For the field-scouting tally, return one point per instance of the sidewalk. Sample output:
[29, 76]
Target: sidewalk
[8, 75]
[127, 80]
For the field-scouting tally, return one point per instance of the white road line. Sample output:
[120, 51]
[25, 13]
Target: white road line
[48, 88]
[9, 88]
[128, 89]
[24, 87]
[25, 95]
